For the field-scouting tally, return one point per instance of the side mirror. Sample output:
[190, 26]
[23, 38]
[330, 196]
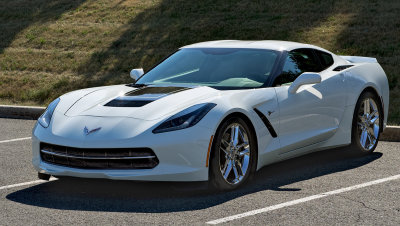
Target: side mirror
[304, 79]
[136, 73]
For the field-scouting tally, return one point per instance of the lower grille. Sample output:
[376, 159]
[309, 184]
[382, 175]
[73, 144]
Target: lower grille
[89, 158]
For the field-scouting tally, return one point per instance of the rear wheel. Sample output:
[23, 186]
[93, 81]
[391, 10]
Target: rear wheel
[234, 155]
[366, 123]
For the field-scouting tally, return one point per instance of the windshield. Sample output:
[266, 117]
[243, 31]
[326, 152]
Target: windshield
[215, 67]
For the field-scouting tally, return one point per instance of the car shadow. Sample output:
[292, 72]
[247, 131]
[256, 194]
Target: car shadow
[161, 197]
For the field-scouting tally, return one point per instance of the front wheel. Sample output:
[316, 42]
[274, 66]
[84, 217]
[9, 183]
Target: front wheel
[234, 155]
[366, 123]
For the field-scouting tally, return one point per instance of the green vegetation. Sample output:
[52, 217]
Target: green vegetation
[48, 48]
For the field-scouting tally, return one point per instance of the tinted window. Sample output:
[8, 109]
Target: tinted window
[297, 62]
[325, 58]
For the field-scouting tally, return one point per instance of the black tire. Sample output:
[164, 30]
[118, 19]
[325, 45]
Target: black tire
[357, 129]
[217, 180]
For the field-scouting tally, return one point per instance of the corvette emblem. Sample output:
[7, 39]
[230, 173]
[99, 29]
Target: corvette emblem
[87, 131]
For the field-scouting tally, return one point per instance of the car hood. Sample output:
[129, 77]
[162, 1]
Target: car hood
[146, 103]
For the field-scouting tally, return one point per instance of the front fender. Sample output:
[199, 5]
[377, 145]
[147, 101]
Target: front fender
[244, 102]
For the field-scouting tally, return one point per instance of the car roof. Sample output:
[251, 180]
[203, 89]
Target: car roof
[266, 44]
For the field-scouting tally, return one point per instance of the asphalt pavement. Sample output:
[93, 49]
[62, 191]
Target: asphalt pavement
[329, 187]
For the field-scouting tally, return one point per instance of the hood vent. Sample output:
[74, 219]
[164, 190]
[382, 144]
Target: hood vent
[342, 67]
[142, 96]
[120, 102]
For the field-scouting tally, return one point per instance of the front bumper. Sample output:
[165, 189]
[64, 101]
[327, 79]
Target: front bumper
[182, 154]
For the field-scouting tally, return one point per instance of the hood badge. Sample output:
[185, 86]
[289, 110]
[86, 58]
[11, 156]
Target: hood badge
[87, 131]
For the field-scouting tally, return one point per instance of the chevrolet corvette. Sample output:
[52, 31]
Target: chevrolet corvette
[215, 111]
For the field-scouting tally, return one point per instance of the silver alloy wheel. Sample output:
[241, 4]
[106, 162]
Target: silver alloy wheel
[368, 123]
[234, 153]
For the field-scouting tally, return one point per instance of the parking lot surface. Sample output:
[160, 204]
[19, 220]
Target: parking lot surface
[329, 187]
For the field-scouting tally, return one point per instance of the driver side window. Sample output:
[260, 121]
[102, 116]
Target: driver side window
[297, 62]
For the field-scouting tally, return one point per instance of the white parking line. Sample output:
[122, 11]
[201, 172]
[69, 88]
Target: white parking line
[305, 199]
[25, 183]
[17, 139]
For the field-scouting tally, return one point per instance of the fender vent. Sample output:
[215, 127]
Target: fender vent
[266, 122]
[342, 67]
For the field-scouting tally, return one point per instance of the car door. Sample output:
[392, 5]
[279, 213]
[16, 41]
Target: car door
[313, 113]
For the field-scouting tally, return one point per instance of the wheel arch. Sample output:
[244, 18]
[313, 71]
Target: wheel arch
[379, 97]
[245, 118]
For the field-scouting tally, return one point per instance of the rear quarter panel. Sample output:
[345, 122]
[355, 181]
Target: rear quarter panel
[363, 75]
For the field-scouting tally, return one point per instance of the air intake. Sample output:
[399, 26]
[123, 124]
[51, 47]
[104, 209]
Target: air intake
[89, 158]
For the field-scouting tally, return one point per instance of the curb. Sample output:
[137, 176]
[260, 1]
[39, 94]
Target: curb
[391, 133]
[21, 112]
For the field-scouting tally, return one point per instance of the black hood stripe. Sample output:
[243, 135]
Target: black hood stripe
[156, 90]
[142, 96]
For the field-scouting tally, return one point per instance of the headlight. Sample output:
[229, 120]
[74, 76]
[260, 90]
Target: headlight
[45, 118]
[185, 119]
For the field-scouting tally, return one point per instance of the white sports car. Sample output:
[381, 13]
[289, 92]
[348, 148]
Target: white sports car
[216, 111]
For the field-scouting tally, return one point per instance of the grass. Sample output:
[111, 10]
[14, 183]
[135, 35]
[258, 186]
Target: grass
[51, 47]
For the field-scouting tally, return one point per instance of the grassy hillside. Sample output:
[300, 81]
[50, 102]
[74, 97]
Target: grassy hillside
[50, 47]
